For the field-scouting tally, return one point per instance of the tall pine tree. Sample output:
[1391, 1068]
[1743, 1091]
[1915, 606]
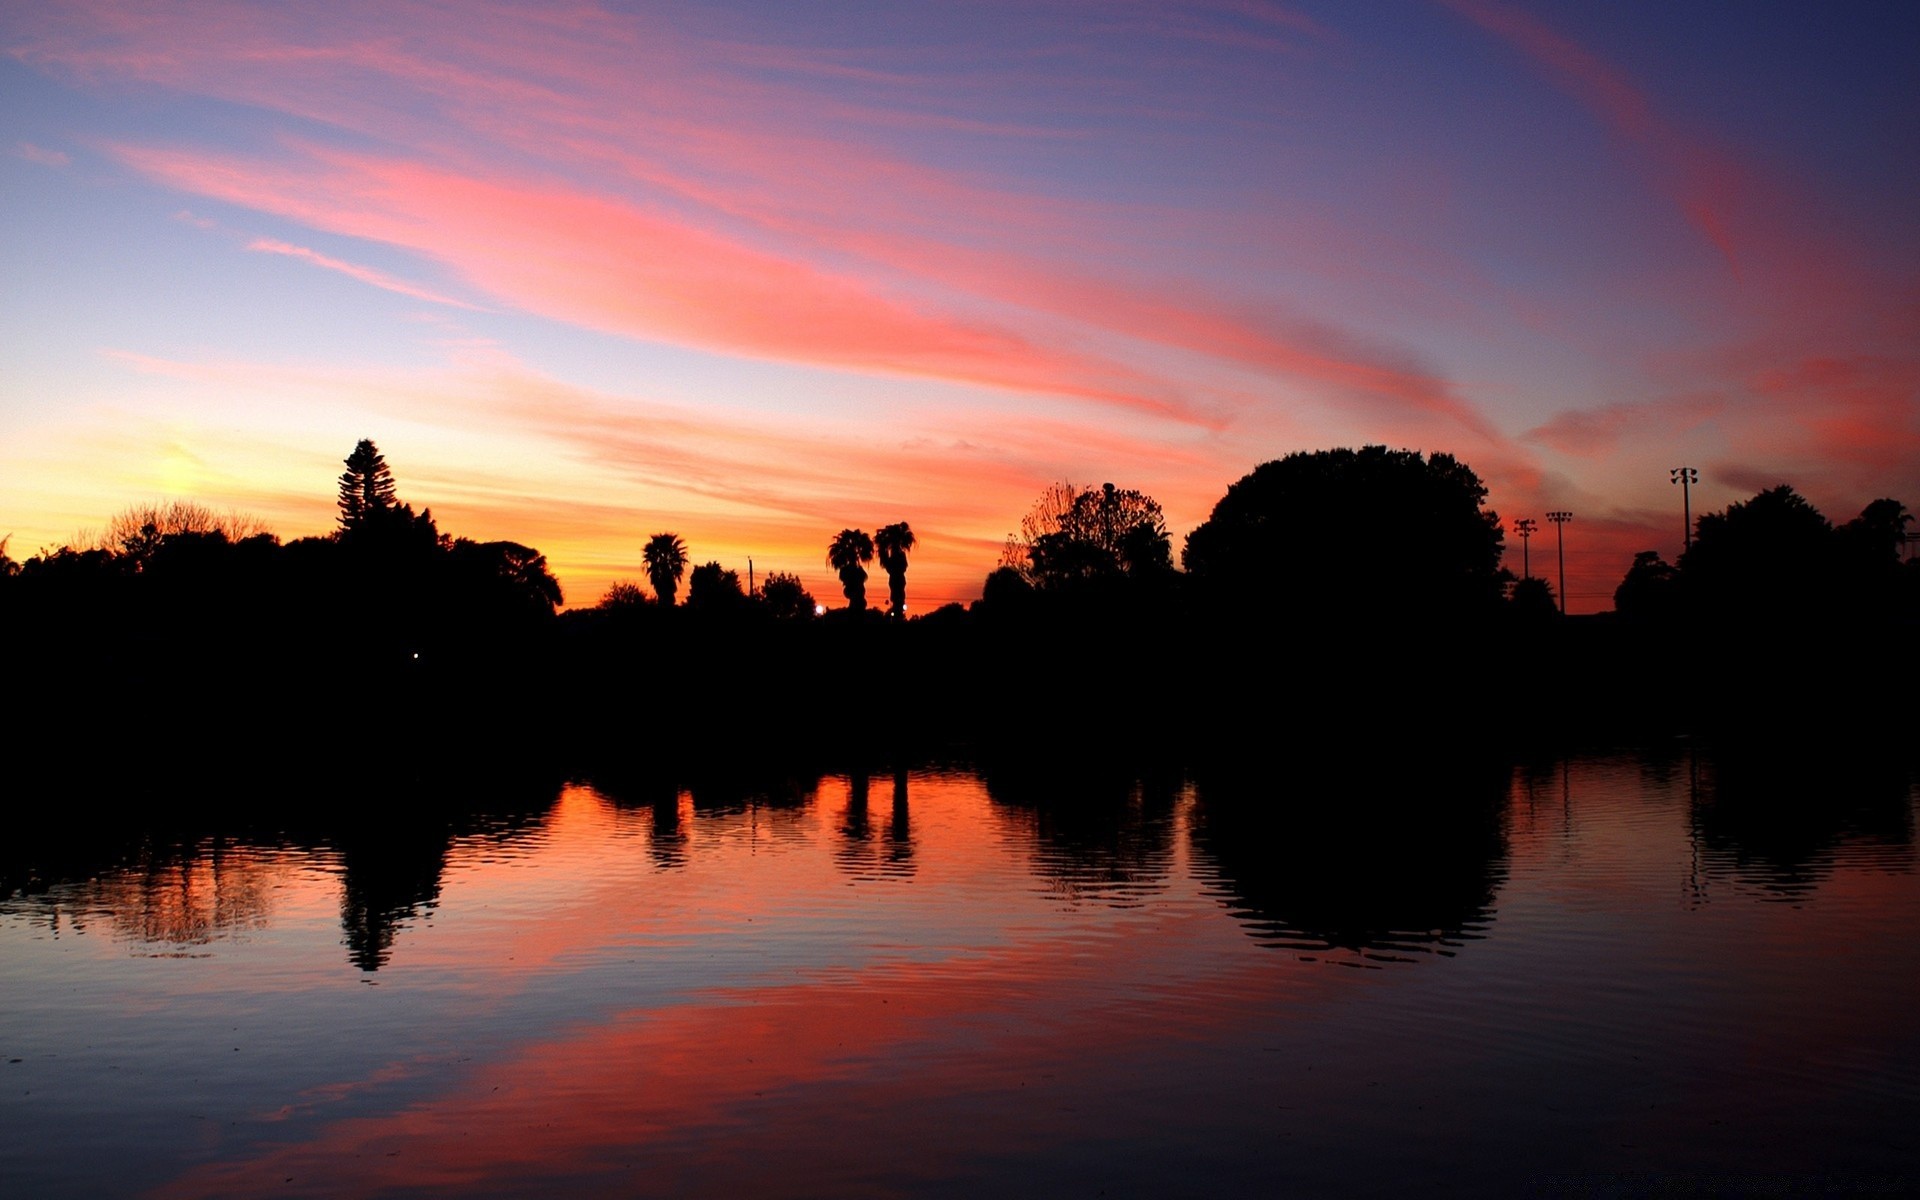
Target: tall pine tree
[366, 487]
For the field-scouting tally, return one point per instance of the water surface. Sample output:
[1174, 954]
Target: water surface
[1601, 972]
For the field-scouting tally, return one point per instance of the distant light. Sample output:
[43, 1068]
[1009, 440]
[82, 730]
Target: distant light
[819, 610]
[416, 654]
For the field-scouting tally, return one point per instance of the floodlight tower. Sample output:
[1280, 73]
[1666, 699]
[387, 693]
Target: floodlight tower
[1686, 477]
[1525, 527]
[1560, 517]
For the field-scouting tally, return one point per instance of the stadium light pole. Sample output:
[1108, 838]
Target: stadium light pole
[1525, 527]
[1686, 477]
[1560, 517]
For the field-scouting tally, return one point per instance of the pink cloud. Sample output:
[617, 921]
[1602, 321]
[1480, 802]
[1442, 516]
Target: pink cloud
[1706, 184]
[354, 271]
[606, 264]
[1598, 431]
[43, 156]
[713, 143]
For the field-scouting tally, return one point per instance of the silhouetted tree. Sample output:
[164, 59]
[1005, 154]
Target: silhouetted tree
[849, 549]
[1352, 534]
[713, 588]
[622, 596]
[1874, 538]
[786, 598]
[891, 543]
[1071, 536]
[1770, 557]
[1649, 590]
[366, 486]
[665, 556]
[142, 525]
[520, 572]
[1005, 588]
[1532, 601]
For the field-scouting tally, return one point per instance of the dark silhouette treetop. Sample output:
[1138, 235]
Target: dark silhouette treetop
[713, 588]
[785, 597]
[1648, 591]
[891, 543]
[1358, 534]
[665, 557]
[1774, 553]
[366, 486]
[845, 554]
[1081, 535]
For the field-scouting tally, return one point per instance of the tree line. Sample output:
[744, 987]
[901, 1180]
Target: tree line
[1361, 585]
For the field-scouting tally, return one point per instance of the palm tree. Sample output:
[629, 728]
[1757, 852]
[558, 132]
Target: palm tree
[665, 557]
[850, 548]
[892, 542]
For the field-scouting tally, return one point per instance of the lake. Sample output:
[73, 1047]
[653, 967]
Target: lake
[1603, 974]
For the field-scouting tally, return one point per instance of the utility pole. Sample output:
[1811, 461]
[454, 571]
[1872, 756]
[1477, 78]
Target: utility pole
[1686, 477]
[1525, 527]
[749, 576]
[1560, 517]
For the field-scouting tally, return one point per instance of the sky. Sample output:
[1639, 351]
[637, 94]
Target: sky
[755, 273]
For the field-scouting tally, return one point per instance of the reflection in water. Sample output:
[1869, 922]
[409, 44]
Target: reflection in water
[1781, 821]
[673, 990]
[180, 886]
[389, 875]
[1369, 859]
[173, 896]
[858, 851]
[1094, 835]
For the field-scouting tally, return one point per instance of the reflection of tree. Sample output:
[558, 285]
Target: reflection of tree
[899, 828]
[1380, 862]
[1783, 821]
[854, 849]
[393, 849]
[389, 875]
[858, 851]
[1096, 835]
[168, 893]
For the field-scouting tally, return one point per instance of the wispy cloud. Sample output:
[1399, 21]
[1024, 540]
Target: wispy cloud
[42, 155]
[354, 271]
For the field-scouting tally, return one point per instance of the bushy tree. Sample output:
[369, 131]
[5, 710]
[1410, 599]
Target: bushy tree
[1769, 557]
[786, 598]
[1648, 592]
[713, 588]
[517, 574]
[1532, 601]
[1352, 535]
[1073, 536]
[622, 596]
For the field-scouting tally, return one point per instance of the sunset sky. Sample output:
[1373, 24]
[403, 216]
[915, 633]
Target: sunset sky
[757, 272]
